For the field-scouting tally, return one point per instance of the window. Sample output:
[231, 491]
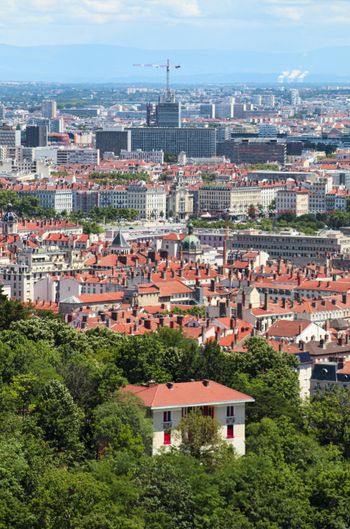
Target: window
[166, 416]
[230, 411]
[167, 438]
[230, 432]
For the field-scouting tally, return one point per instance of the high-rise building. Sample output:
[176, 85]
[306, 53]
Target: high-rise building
[113, 141]
[56, 125]
[295, 98]
[195, 142]
[168, 114]
[49, 109]
[224, 110]
[151, 118]
[2, 112]
[268, 100]
[207, 110]
[36, 136]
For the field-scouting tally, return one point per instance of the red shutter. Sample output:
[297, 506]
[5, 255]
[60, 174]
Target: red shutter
[167, 438]
[230, 431]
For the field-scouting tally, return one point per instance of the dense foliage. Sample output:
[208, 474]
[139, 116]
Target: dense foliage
[74, 449]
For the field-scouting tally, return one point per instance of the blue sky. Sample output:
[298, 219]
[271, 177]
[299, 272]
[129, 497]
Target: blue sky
[281, 25]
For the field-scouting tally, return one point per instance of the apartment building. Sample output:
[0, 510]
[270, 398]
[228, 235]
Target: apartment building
[242, 198]
[116, 197]
[85, 200]
[35, 263]
[293, 201]
[59, 198]
[148, 200]
[317, 195]
[234, 200]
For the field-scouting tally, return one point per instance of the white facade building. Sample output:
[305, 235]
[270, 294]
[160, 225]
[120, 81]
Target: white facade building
[169, 403]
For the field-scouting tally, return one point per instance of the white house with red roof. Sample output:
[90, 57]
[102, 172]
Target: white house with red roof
[169, 403]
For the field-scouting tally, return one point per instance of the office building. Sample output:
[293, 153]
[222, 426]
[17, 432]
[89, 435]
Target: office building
[10, 136]
[49, 109]
[267, 130]
[113, 141]
[292, 245]
[196, 142]
[82, 113]
[168, 114]
[151, 115]
[255, 151]
[152, 156]
[36, 136]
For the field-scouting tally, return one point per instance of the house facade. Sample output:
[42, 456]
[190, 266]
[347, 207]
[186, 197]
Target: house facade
[169, 403]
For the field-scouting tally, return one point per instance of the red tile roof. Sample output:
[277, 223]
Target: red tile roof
[288, 328]
[186, 394]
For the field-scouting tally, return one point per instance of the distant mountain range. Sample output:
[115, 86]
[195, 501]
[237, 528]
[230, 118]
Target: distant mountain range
[106, 63]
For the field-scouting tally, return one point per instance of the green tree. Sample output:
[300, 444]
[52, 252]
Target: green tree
[60, 419]
[199, 435]
[121, 424]
[327, 417]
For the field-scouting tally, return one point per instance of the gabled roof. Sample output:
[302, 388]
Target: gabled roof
[288, 328]
[187, 394]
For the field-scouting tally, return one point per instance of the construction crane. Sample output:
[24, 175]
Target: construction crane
[168, 66]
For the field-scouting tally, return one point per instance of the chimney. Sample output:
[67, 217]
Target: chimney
[344, 298]
[161, 321]
[266, 300]
[205, 382]
[114, 315]
[147, 324]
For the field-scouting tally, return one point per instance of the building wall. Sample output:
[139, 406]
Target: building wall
[113, 141]
[238, 442]
[200, 142]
